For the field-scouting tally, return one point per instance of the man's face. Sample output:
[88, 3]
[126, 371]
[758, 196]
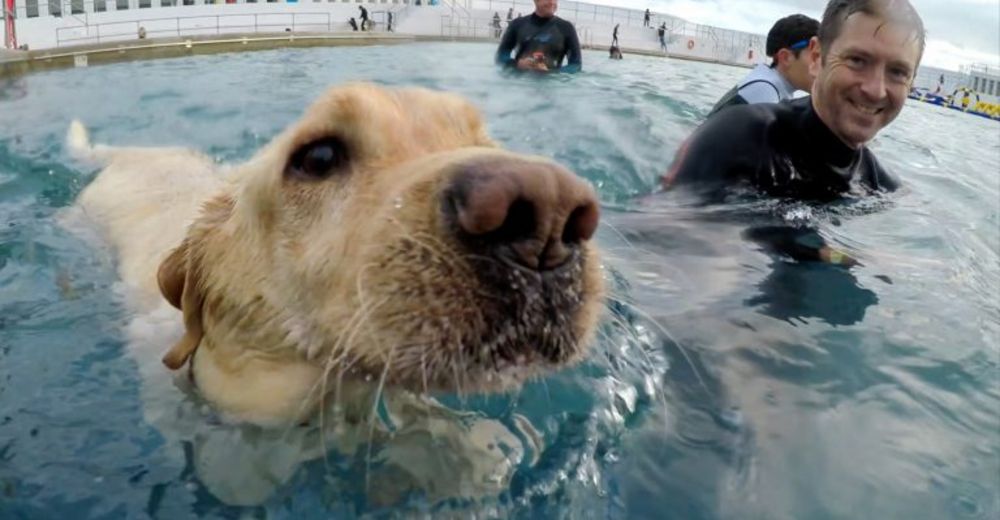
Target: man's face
[862, 82]
[546, 8]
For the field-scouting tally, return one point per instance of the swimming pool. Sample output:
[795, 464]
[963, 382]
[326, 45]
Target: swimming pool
[806, 391]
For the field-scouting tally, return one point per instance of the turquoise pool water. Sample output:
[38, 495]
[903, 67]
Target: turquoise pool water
[732, 385]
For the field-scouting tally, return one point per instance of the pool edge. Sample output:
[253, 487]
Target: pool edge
[17, 63]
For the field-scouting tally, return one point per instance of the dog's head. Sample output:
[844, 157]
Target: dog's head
[384, 237]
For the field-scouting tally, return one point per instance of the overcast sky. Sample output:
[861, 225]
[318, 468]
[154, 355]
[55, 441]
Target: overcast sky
[959, 32]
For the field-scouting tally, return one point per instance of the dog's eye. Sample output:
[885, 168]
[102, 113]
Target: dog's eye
[318, 159]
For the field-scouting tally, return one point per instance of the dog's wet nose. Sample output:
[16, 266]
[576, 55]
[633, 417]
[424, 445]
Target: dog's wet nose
[538, 211]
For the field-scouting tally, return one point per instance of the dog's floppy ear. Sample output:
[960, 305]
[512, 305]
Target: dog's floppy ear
[178, 280]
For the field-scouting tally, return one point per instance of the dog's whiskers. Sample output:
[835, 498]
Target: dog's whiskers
[669, 336]
[373, 417]
[337, 354]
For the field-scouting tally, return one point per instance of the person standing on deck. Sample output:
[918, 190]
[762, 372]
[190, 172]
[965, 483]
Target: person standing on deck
[364, 18]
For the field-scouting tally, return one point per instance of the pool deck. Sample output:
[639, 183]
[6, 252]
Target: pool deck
[15, 63]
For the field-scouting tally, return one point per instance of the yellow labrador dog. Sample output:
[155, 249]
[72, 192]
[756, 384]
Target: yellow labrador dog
[380, 249]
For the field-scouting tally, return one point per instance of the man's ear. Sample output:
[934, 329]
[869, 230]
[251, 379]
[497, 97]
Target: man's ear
[782, 58]
[815, 51]
[179, 283]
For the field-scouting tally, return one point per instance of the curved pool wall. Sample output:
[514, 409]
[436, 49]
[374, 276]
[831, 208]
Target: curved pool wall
[80, 23]
[97, 54]
[801, 390]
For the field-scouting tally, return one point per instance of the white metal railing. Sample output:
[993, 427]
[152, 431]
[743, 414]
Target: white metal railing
[24, 9]
[725, 43]
[206, 25]
[981, 69]
[588, 12]
[457, 26]
[577, 12]
[466, 19]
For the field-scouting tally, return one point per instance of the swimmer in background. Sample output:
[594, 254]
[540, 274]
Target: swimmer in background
[540, 42]
[787, 43]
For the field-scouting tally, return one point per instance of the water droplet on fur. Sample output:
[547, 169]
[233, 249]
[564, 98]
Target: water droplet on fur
[731, 419]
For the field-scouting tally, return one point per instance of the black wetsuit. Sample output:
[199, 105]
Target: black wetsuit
[785, 150]
[553, 37]
[782, 149]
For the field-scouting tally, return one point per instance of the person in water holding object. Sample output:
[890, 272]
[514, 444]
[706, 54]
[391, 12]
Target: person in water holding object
[540, 42]
[864, 60]
[787, 43]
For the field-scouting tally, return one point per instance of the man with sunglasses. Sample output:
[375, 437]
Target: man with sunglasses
[789, 69]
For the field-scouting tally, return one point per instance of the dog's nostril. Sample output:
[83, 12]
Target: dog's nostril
[536, 212]
[520, 222]
[481, 204]
[582, 223]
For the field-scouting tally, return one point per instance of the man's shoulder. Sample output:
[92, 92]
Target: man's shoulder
[562, 21]
[876, 175]
[762, 78]
[519, 21]
[729, 144]
[742, 119]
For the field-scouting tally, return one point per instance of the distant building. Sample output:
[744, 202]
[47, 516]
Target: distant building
[982, 79]
[985, 80]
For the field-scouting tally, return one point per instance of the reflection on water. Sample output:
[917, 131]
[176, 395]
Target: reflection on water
[13, 88]
[797, 291]
[729, 380]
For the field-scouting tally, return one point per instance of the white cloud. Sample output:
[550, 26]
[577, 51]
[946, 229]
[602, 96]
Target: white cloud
[946, 55]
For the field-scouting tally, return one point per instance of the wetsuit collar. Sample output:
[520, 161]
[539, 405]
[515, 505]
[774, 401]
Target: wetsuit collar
[824, 142]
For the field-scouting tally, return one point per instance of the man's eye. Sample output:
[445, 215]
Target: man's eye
[900, 74]
[855, 61]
